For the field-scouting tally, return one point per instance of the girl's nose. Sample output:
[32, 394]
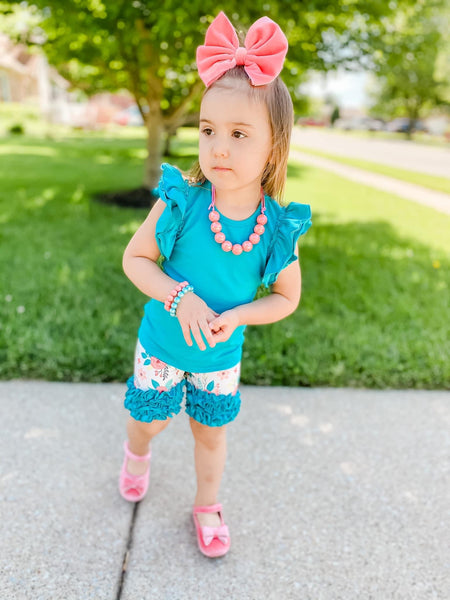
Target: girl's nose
[220, 149]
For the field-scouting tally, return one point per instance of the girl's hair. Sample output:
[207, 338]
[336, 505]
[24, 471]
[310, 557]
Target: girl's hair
[278, 101]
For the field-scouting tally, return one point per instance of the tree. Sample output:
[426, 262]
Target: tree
[334, 115]
[407, 59]
[148, 47]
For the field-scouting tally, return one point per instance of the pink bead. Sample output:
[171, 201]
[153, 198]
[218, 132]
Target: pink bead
[237, 249]
[214, 215]
[254, 238]
[262, 219]
[170, 298]
[226, 246]
[216, 226]
[259, 229]
[219, 237]
[247, 246]
[178, 288]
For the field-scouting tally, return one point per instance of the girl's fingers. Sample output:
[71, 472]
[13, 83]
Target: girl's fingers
[207, 333]
[215, 325]
[199, 328]
[197, 336]
[186, 334]
[194, 316]
[221, 336]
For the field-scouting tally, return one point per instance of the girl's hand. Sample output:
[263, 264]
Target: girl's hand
[224, 325]
[194, 316]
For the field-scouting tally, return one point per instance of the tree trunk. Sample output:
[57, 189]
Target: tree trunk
[167, 139]
[155, 128]
[413, 115]
[170, 133]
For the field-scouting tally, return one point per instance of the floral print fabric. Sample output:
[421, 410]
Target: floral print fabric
[152, 373]
[156, 392]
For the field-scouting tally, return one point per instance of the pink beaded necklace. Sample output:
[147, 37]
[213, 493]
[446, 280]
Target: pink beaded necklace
[219, 236]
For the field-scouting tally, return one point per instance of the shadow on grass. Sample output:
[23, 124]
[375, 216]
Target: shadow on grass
[296, 170]
[372, 314]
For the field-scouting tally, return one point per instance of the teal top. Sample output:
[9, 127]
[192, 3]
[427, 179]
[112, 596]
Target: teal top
[220, 278]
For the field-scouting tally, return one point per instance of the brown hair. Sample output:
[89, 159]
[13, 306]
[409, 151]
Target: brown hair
[276, 97]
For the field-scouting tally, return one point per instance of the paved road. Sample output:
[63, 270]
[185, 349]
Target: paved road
[330, 494]
[399, 153]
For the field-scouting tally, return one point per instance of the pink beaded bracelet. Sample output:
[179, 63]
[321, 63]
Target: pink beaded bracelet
[173, 294]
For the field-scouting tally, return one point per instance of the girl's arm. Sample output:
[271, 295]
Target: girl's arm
[140, 266]
[279, 304]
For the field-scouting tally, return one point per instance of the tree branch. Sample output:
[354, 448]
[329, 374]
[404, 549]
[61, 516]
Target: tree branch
[176, 117]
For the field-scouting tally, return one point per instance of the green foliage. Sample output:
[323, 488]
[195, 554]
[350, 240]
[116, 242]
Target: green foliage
[375, 276]
[407, 59]
[149, 47]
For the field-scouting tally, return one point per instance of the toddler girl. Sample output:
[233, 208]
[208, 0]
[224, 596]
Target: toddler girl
[221, 234]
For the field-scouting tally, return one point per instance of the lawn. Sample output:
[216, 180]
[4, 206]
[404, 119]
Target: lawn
[441, 184]
[374, 309]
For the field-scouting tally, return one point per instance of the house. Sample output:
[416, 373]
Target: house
[26, 77]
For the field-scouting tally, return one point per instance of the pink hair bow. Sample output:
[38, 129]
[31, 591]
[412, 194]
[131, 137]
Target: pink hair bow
[263, 55]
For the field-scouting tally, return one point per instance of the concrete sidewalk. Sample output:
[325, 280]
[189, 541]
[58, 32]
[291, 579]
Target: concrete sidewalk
[440, 201]
[330, 494]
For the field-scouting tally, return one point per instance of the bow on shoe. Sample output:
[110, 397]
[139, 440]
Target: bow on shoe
[263, 55]
[209, 533]
[134, 482]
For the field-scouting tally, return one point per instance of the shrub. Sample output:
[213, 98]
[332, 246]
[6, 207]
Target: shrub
[16, 129]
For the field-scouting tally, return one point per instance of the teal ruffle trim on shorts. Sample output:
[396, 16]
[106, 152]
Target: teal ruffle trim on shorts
[149, 405]
[209, 409]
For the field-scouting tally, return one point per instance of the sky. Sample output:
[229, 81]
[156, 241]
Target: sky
[347, 87]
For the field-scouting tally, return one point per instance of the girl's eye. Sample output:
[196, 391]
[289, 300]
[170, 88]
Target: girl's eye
[238, 134]
[207, 131]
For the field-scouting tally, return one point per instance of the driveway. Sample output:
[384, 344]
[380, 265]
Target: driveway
[399, 153]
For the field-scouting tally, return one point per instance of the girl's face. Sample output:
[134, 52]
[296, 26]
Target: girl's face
[235, 139]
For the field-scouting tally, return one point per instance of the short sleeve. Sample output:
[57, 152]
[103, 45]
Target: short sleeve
[294, 220]
[173, 190]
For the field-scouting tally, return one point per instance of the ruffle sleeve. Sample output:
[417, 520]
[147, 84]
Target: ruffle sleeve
[172, 190]
[294, 220]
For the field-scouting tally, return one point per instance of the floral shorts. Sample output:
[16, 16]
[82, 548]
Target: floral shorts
[156, 392]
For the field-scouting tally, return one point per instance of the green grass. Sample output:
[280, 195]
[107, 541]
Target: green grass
[374, 309]
[441, 184]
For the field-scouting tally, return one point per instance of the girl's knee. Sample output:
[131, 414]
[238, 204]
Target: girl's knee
[148, 429]
[212, 437]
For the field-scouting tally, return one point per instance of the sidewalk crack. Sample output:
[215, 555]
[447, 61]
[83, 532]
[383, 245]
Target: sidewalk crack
[127, 552]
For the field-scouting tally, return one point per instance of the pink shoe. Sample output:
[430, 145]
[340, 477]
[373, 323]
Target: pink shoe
[212, 541]
[133, 487]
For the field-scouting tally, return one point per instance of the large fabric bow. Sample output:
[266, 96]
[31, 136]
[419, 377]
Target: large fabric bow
[209, 533]
[263, 55]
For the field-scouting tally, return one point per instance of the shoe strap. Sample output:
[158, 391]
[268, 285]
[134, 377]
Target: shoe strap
[213, 508]
[135, 457]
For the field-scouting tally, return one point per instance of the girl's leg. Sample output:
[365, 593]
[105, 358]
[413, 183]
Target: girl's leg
[140, 435]
[210, 455]
[149, 403]
[212, 401]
